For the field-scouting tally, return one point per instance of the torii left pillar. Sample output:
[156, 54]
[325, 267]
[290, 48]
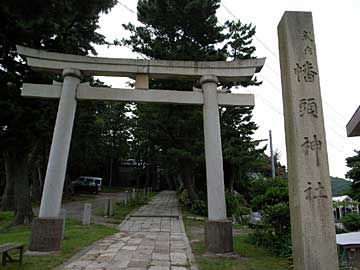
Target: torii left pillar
[218, 230]
[47, 229]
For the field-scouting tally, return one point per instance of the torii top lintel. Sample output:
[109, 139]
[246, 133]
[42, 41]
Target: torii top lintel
[236, 71]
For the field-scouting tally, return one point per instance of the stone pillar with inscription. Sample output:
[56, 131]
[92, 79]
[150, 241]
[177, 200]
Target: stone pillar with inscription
[312, 222]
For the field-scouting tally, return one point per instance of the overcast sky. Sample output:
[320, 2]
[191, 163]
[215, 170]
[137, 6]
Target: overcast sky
[338, 48]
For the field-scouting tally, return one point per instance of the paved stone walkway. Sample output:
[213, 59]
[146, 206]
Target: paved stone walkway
[153, 238]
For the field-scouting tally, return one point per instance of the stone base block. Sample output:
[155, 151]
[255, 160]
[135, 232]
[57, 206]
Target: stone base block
[218, 236]
[46, 234]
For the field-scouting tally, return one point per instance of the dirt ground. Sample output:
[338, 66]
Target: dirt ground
[75, 209]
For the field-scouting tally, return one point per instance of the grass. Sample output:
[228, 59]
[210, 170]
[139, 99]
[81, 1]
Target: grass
[120, 210]
[76, 238]
[79, 197]
[251, 257]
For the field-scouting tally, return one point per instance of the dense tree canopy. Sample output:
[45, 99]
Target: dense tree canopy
[167, 140]
[189, 30]
[67, 26]
[354, 173]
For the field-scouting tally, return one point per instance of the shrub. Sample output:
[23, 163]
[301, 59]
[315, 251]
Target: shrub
[236, 206]
[275, 192]
[184, 198]
[351, 222]
[274, 231]
[199, 207]
[234, 201]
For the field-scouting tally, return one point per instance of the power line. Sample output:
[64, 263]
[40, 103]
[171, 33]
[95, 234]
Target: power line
[132, 11]
[265, 101]
[256, 37]
[126, 7]
[274, 54]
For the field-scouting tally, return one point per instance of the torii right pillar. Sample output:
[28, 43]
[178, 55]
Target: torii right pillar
[311, 211]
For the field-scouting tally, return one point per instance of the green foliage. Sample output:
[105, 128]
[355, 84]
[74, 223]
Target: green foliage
[340, 186]
[26, 124]
[101, 131]
[197, 207]
[351, 222]
[270, 193]
[250, 256]
[354, 173]
[236, 206]
[279, 244]
[274, 232]
[184, 199]
[62, 26]
[189, 30]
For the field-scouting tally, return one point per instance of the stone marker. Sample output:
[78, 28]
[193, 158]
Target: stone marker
[63, 216]
[312, 222]
[87, 214]
[108, 208]
[126, 197]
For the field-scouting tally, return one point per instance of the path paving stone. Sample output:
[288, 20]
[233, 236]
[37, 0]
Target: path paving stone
[153, 238]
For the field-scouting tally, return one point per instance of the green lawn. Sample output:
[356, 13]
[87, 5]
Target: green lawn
[250, 257]
[76, 238]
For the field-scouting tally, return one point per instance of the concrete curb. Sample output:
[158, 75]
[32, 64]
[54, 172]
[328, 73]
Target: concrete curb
[189, 252]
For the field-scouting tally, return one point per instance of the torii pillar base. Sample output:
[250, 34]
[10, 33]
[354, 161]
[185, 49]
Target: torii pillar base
[219, 236]
[46, 234]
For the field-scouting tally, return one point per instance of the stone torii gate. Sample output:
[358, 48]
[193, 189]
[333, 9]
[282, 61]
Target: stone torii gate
[46, 232]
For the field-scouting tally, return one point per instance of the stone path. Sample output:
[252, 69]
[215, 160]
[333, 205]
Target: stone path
[153, 238]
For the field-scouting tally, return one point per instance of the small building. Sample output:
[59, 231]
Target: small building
[344, 205]
[353, 126]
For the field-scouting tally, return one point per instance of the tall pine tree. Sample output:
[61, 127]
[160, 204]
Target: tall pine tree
[189, 30]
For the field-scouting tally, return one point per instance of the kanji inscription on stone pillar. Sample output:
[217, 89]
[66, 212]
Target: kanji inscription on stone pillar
[312, 222]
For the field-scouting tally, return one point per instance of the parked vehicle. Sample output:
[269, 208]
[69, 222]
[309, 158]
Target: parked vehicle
[87, 184]
[255, 218]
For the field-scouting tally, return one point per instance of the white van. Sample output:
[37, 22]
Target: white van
[87, 183]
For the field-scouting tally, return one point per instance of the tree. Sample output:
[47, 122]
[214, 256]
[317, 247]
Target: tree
[184, 30]
[67, 26]
[354, 173]
[240, 151]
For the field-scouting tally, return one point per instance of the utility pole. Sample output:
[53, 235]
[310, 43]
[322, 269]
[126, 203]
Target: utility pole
[272, 157]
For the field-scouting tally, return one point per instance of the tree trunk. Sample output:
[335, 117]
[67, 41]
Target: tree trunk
[116, 173]
[8, 199]
[231, 178]
[147, 174]
[169, 181]
[36, 186]
[67, 191]
[111, 172]
[188, 180]
[18, 171]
